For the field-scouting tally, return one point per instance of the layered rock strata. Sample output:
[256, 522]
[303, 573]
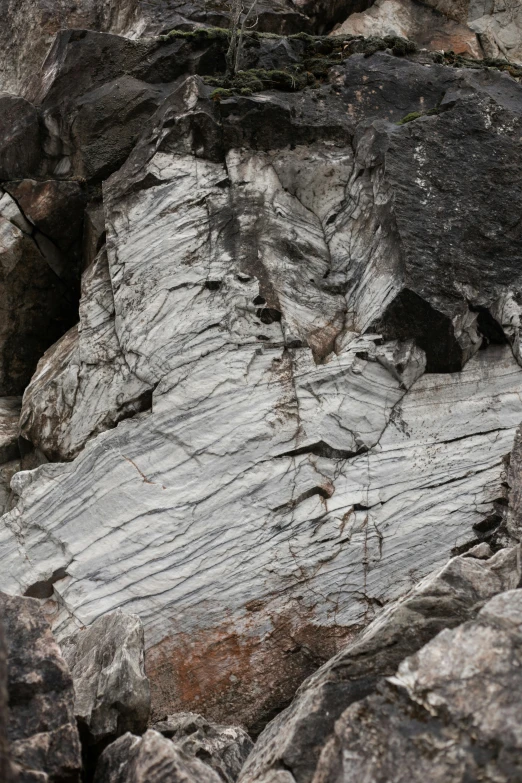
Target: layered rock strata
[272, 310]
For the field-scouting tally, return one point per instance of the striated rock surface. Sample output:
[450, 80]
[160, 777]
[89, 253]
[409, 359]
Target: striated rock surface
[41, 729]
[275, 280]
[111, 691]
[451, 713]
[289, 748]
[224, 748]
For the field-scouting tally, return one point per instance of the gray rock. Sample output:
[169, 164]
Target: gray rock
[150, 759]
[451, 713]
[224, 748]
[111, 690]
[294, 740]
[42, 731]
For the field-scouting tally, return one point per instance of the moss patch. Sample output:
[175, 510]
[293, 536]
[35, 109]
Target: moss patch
[258, 80]
[414, 115]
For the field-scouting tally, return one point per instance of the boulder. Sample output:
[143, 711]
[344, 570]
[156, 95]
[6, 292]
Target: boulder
[111, 691]
[295, 739]
[451, 712]
[224, 748]
[150, 759]
[42, 733]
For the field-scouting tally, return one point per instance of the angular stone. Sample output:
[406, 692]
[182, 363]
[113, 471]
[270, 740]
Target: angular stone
[150, 759]
[450, 713]
[42, 730]
[295, 739]
[111, 691]
[224, 748]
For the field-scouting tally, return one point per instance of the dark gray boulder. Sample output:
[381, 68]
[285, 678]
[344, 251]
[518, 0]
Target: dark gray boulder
[42, 733]
[5, 761]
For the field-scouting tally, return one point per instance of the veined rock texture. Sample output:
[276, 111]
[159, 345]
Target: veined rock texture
[290, 389]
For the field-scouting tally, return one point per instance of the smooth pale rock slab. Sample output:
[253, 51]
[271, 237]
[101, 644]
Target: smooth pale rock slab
[456, 695]
[224, 748]
[295, 740]
[111, 690]
[42, 731]
[151, 759]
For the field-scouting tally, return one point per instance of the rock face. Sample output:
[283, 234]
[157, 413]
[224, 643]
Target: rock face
[294, 740]
[151, 759]
[111, 691]
[224, 748]
[450, 713]
[273, 289]
[41, 728]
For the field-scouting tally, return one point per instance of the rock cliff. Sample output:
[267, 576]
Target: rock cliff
[261, 374]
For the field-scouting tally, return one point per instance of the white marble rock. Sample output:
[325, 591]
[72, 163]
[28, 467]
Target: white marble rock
[277, 492]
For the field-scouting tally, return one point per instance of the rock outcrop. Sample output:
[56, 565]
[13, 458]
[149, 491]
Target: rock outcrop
[41, 728]
[273, 288]
[5, 761]
[260, 373]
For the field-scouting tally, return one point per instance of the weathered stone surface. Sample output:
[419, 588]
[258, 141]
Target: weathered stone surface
[294, 740]
[224, 748]
[36, 295]
[293, 473]
[151, 759]
[413, 20]
[20, 150]
[111, 691]
[42, 731]
[451, 713]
